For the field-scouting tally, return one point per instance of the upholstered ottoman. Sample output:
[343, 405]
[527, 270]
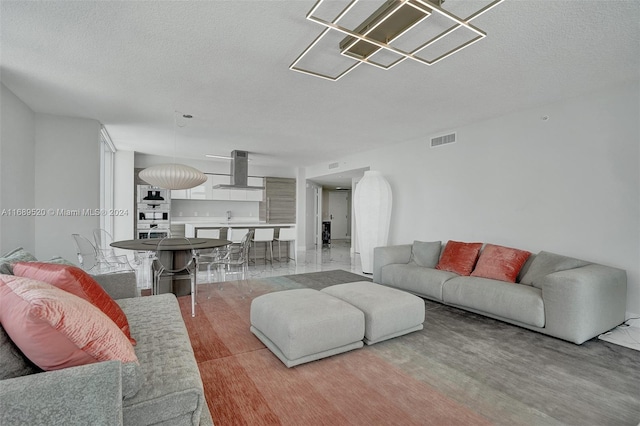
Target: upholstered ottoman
[388, 312]
[304, 325]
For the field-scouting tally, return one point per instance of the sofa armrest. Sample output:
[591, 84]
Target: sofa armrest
[387, 255]
[119, 285]
[584, 302]
[88, 394]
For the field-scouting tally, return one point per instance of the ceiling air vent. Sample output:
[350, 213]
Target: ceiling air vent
[443, 140]
[334, 165]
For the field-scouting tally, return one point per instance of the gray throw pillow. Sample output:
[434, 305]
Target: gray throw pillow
[425, 254]
[546, 263]
[14, 256]
[60, 261]
[13, 363]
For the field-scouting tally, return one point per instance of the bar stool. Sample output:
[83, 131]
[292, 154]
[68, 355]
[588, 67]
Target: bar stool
[264, 235]
[235, 234]
[287, 235]
[208, 233]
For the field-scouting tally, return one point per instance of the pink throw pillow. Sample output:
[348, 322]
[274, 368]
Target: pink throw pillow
[500, 263]
[459, 257]
[77, 282]
[56, 329]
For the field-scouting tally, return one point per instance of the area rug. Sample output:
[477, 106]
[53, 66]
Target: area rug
[462, 369]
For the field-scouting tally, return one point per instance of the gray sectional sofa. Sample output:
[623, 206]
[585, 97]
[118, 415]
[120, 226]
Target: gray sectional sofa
[171, 391]
[557, 295]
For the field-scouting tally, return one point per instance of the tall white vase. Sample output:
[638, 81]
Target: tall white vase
[372, 206]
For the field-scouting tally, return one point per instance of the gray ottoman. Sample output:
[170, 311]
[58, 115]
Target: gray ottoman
[388, 312]
[304, 325]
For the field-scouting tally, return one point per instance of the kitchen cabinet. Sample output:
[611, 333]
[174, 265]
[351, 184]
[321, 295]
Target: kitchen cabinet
[279, 203]
[218, 194]
[206, 191]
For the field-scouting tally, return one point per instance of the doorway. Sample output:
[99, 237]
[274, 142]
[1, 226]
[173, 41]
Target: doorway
[340, 214]
[335, 209]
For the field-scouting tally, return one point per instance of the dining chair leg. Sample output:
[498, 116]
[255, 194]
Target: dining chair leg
[193, 294]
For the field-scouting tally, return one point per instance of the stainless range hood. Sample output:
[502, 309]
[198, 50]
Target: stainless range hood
[239, 172]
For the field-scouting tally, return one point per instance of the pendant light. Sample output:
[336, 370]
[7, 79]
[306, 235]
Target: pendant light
[174, 175]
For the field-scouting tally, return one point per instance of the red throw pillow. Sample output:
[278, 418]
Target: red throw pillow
[77, 282]
[459, 257]
[500, 263]
[56, 329]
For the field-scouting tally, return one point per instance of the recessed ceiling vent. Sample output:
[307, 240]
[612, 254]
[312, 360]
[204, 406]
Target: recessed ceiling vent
[334, 165]
[443, 140]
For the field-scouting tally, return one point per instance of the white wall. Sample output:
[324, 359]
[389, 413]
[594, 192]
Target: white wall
[67, 163]
[17, 172]
[569, 185]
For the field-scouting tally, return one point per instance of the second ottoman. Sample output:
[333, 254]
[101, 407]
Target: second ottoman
[304, 325]
[388, 312]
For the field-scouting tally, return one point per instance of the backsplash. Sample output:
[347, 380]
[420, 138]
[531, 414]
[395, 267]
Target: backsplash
[190, 209]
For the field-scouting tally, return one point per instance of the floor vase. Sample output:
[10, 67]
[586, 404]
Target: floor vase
[372, 205]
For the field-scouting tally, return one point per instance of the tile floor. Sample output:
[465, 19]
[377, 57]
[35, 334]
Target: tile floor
[328, 257]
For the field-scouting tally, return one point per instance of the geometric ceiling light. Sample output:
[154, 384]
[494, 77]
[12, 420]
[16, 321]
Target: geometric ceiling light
[383, 37]
[173, 176]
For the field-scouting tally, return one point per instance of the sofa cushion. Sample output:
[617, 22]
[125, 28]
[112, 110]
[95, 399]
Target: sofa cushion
[425, 282]
[459, 257]
[77, 282]
[17, 255]
[425, 254]
[514, 302]
[13, 363]
[56, 329]
[172, 392]
[500, 263]
[547, 263]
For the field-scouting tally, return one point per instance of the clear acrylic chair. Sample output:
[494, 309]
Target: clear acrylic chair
[163, 266]
[95, 262]
[211, 257]
[102, 238]
[140, 261]
[236, 257]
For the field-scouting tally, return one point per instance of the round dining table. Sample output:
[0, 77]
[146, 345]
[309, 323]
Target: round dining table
[173, 253]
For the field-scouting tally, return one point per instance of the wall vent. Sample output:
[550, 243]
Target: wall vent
[334, 165]
[443, 140]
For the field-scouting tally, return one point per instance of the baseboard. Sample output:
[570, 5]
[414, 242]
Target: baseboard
[635, 322]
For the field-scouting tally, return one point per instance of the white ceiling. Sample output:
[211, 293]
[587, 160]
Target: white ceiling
[131, 64]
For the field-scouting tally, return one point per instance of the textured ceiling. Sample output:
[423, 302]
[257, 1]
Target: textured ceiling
[130, 65]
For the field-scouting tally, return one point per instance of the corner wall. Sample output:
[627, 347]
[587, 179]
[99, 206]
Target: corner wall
[67, 163]
[17, 172]
[570, 184]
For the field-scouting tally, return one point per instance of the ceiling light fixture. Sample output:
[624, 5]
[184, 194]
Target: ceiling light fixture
[173, 176]
[222, 157]
[417, 28]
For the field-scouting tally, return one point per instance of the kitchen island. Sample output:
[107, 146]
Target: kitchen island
[191, 229]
